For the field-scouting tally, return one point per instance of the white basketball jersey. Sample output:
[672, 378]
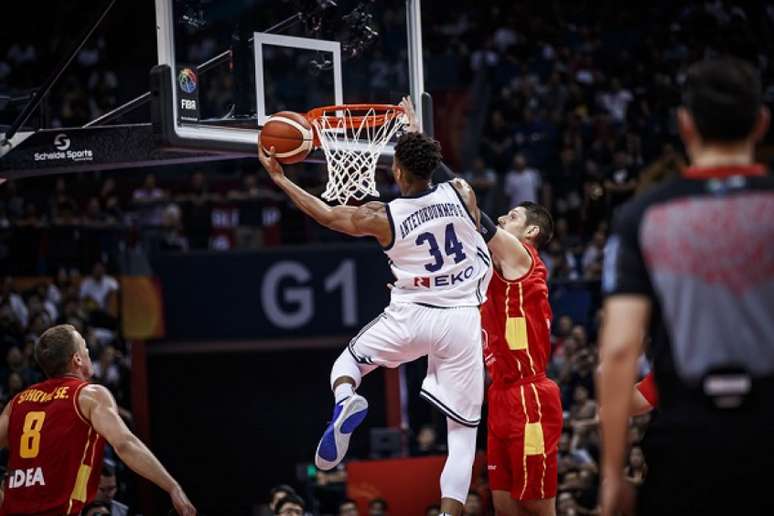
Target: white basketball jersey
[437, 255]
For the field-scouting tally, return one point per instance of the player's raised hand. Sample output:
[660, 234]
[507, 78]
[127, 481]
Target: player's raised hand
[408, 107]
[270, 163]
[182, 504]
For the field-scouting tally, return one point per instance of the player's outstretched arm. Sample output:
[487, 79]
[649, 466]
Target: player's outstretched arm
[99, 407]
[510, 256]
[369, 219]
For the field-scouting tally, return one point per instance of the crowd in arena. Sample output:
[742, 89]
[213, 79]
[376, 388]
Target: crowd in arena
[578, 118]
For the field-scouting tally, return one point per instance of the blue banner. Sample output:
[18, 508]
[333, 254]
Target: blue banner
[303, 292]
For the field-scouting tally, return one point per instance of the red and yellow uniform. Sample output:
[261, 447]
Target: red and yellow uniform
[525, 409]
[55, 453]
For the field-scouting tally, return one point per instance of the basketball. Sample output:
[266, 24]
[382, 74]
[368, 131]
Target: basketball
[290, 134]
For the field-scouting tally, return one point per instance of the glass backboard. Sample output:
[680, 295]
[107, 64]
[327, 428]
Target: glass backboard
[235, 62]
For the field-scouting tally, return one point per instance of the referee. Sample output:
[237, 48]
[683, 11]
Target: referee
[691, 264]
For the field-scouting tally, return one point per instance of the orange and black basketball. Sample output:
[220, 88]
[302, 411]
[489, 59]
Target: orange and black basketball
[290, 134]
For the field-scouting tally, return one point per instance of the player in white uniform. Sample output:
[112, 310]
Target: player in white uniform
[442, 269]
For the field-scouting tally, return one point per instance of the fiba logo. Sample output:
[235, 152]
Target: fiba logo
[186, 79]
[62, 142]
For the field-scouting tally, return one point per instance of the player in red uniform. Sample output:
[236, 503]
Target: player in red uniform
[525, 409]
[56, 431]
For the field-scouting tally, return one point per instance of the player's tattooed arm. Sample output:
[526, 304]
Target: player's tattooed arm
[369, 219]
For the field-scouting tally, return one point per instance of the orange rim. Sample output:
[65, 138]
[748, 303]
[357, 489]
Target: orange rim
[383, 113]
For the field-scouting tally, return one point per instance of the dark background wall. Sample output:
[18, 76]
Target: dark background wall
[331, 289]
[231, 425]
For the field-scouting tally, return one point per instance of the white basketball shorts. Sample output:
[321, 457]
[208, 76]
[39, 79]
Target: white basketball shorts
[451, 339]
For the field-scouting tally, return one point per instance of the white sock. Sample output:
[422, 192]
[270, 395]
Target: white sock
[342, 392]
[455, 477]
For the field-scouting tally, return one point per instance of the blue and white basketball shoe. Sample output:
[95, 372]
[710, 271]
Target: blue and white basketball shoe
[347, 415]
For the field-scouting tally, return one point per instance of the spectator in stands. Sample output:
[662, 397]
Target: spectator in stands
[621, 181]
[497, 142]
[566, 505]
[560, 262]
[148, 200]
[583, 364]
[570, 458]
[581, 337]
[290, 505]
[94, 216]
[15, 301]
[11, 331]
[39, 322]
[593, 255]
[378, 507]
[197, 212]
[72, 309]
[616, 100]
[15, 364]
[12, 200]
[39, 301]
[348, 507]
[63, 208]
[173, 238]
[522, 183]
[275, 495]
[636, 469]
[427, 442]
[106, 369]
[561, 331]
[106, 492]
[98, 286]
[583, 409]
[473, 505]
[484, 181]
[580, 484]
[96, 508]
[110, 201]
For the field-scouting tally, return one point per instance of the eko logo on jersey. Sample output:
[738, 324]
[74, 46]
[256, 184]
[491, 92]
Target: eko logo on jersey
[444, 280]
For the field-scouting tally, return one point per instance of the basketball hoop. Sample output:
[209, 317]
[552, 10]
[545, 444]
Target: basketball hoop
[352, 136]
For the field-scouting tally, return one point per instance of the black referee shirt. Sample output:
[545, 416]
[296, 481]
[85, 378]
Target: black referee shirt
[701, 247]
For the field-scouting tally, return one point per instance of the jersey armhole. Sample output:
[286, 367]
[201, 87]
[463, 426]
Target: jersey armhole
[464, 206]
[523, 276]
[75, 403]
[392, 228]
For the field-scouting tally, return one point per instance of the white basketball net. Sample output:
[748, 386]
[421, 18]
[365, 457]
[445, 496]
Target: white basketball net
[352, 153]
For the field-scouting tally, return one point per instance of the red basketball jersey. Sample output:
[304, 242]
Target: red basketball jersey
[516, 320]
[55, 453]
